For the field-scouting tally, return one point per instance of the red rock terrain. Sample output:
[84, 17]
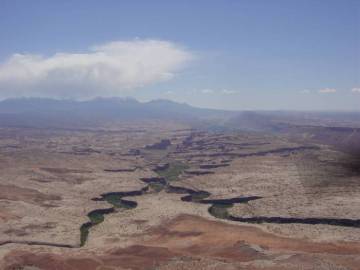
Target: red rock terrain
[204, 243]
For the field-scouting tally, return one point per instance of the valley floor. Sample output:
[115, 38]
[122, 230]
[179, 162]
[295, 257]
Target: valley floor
[204, 201]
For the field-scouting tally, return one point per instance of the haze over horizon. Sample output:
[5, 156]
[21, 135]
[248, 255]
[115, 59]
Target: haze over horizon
[233, 55]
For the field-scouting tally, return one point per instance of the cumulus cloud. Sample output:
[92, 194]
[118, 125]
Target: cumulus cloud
[356, 90]
[106, 70]
[327, 91]
[305, 91]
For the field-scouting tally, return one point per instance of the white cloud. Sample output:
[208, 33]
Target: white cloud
[105, 70]
[305, 91]
[207, 91]
[228, 92]
[214, 91]
[356, 90]
[327, 91]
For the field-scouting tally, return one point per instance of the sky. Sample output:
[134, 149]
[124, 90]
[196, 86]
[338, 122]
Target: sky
[239, 55]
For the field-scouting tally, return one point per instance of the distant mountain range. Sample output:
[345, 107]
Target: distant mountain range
[33, 111]
[334, 128]
[51, 112]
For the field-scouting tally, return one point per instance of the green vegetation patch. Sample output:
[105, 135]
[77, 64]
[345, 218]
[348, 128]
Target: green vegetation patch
[199, 196]
[96, 217]
[173, 172]
[220, 210]
[114, 199]
[157, 187]
[117, 201]
[84, 233]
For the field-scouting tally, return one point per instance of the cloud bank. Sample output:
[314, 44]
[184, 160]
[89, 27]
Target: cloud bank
[207, 91]
[228, 92]
[215, 91]
[106, 70]
[327, 91]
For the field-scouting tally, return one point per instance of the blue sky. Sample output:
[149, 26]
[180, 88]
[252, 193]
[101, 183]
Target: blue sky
[280, 54]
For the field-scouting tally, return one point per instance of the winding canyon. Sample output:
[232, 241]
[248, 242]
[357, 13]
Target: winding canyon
[196, 200]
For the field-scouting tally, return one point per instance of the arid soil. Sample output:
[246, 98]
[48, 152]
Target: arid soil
[191, 242]
[50, 180]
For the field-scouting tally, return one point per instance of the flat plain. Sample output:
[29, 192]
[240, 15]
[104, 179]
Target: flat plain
[157, 195]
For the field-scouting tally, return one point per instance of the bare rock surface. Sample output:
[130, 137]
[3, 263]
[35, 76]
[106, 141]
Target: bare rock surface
[51, 182]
